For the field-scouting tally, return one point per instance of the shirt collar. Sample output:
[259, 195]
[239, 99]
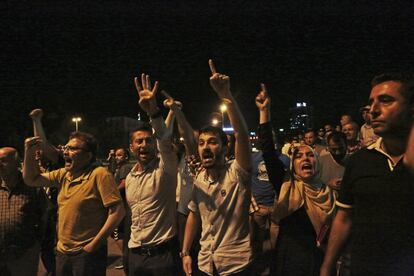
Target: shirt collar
[84, 176]
[377, 146]
[147, 167]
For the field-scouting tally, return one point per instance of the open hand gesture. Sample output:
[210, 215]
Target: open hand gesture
[147, 96]
[262, 99]
[219, 82]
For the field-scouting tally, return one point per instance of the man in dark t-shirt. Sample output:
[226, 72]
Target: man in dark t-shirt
[377, 196]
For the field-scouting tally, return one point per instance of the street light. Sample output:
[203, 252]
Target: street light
[223, 108]
[76, 120]
[214, 122]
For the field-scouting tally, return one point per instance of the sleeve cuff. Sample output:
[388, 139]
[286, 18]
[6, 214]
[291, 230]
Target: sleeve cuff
[342, 205]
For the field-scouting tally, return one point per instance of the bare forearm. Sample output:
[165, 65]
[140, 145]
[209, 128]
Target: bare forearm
[31, 171]
[186, 131]
[242, 146]
[191, 228]
[341, 229]
[116, 213]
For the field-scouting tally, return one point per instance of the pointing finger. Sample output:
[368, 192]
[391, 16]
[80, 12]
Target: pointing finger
[263, 86]
[212, 67]
[165, 94]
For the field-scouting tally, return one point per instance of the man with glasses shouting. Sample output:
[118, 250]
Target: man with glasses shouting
[89, 204]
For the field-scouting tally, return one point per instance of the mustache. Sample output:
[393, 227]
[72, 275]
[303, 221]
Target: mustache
[207, 153]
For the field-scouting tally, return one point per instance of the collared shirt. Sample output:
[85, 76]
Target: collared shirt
[380, 193]
[344, 200]
[224, 210]
[82, 204]
[21, 209]
[150, 195]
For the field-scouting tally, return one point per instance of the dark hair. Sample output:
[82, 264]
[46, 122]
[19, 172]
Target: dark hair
[126, 152]
[90, 141]
[336, 136]
[310, 130]
[143, 127]
[405, 78]
[216, 131]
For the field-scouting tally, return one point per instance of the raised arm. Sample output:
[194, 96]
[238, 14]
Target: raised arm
[49, 151]
[221, 85]
[31, 170]
[148, 102]
[274, 166]
[184, 127]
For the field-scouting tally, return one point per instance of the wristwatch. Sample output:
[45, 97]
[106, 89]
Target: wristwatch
[184, 253]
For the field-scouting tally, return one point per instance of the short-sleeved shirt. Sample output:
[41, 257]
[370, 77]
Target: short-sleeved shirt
[381, 195]
[262, 190]
[82, 205]
[223, 207]
[21, 210]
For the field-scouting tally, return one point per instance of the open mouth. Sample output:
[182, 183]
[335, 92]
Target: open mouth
[307, 167]
[68, 161]
[207, 156]
[143, 153]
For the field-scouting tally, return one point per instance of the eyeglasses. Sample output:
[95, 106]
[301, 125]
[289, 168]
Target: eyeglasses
[72, 149]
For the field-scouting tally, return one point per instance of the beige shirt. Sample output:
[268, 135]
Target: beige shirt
[151, 195]
[82, 205]
[330, 169]
[224, 210]
[368, 136]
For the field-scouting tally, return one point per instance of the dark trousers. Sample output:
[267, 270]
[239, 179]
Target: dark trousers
[165, 263]
[245, 272]
[82, 263]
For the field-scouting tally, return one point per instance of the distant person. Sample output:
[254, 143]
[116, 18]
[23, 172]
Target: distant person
[367, 135]
[89, 204]
[345, 119]
[328, 129]
[333, 160]
[310, 139]
[351, 131]
[21, 211]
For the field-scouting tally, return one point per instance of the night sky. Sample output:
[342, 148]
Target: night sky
[78, 58]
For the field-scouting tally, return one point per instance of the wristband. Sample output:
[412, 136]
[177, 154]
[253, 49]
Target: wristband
[184, 253]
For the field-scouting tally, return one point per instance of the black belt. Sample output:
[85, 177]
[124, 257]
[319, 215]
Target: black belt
[155, 249]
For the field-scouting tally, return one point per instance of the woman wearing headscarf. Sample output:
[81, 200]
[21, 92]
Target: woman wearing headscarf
[304, 206]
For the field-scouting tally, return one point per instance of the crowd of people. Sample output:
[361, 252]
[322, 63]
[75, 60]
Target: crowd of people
[332, 201]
